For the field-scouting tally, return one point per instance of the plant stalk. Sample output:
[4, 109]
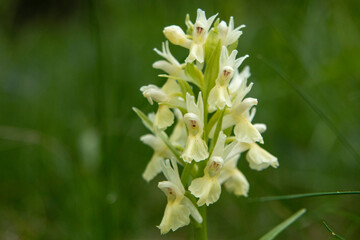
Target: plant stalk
[200, 229]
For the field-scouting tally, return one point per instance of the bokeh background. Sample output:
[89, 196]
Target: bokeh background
[70, 156]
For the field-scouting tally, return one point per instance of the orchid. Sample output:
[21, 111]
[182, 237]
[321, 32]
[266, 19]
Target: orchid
[179, 208]
[207, 133]
[196, 147]
[219, 95]
[207, 188]
[160, 153]
[228, 34]
[199, 34]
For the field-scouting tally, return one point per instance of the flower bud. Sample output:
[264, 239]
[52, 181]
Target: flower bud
[176, 36]
[223, 29]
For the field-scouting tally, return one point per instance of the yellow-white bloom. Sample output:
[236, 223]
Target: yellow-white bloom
[239, 115]
[195, 148]
[199, 34]
[208, 188]
[238, 87]
[171, 65]
[168, 95]
[164, 117]
[229, 35]
[219, 95]
[258, 157]
[233, 179]
[161, 152]
[154, 93]
[179, 208]
[179, 134]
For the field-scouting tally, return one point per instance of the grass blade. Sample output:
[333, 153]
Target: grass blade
[343, 140]
[303, 195]
[332, 232]
[279, 228]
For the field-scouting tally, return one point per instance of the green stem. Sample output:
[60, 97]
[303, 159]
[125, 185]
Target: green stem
[185, 176]
[200, 229]
[206, 134]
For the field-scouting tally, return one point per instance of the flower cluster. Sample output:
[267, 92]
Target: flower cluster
[203, 120]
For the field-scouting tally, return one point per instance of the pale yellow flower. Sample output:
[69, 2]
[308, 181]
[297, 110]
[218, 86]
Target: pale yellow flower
[197, 41]
[161, 152]
[233, 179]
[228, 34]
[179, 208]
[258, 157]
[208, 188]
[196, 148]
[167, 96]
[219, 95]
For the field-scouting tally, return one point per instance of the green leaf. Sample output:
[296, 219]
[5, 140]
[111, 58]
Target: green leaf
[185, 87]
[214, 118]
[145, 120]
[211, 41]
[217, 131]
[228, 131]
[185, 176]
[212, 69]
[195, 75]
[189, 25]
[279, 228]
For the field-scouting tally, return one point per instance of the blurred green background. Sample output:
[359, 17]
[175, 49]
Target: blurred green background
[70, 155]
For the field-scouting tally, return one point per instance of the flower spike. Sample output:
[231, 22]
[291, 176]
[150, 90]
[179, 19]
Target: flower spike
[204, 109]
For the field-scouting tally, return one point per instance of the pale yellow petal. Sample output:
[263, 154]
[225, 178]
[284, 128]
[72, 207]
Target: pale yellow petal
[164, 117]
[218, 98]
[260, 159]
[246, 132]
[179, 134]
[196, 53]
[207, 189]
[153, 141]
[153, 168]
[237, 183]
[219, 146]
[196, 149]
[176, 215]
[171, 87]
[193, 210]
